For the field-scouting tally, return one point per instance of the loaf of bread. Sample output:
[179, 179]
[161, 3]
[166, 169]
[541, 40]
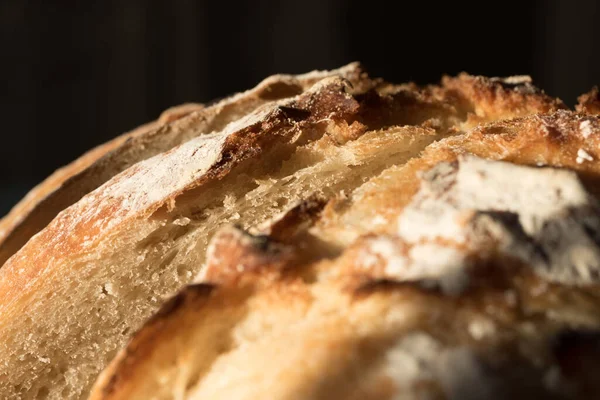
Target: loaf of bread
[344, 237]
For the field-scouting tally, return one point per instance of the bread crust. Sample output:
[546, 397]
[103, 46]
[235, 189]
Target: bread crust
[83, 226]
[38, 207]
[355, 324]
[75, 239]
[589, 103]
[175, 126]
[152, 215]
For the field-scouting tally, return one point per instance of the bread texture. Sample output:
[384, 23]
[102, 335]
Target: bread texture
[470, 272]
[313, 178]
[69, 184]
[56, 193]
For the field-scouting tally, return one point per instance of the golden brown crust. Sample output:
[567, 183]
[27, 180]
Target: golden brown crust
[232, 250]
[72, 255]
[489, 99]
[356, 325]
[32, 213]
[163, 321]
[67, 185]
[142, 234]
[107, 207]
[482, 99]
[589, 103]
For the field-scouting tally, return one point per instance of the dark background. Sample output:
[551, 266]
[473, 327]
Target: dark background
[75, 74]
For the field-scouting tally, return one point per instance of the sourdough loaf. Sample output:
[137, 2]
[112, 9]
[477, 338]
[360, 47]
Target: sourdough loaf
[311, 169]
[471, 271]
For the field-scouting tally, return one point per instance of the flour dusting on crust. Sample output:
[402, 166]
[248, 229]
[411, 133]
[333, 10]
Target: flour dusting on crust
[543, 216]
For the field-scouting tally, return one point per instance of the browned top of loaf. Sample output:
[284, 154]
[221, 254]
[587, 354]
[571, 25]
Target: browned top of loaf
[178, 159]
[147, 186]
[299, 313]
[89, 220]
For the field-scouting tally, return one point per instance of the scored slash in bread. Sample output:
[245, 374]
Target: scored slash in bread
[316, 179]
